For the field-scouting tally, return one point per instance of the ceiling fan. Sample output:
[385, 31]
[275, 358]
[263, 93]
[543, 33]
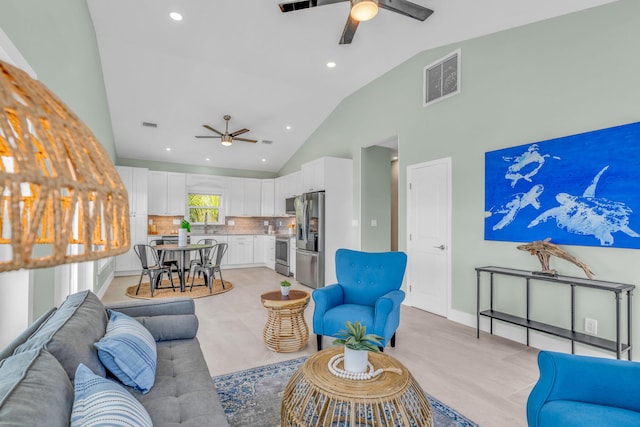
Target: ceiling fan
[226, 137]
[362, 10]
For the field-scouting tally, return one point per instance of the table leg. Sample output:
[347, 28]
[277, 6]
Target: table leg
[181, 269]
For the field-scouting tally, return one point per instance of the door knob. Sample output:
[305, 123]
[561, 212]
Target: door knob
[441, 247]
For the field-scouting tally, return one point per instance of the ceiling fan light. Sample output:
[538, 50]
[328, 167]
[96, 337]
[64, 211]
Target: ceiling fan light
[226, 140]
[364, 10]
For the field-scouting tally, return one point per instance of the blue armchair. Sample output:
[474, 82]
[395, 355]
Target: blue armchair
[368, 291]
[584, 391]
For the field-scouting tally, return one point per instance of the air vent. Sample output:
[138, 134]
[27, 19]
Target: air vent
[441, 79]
[149, 124]
[267, 141]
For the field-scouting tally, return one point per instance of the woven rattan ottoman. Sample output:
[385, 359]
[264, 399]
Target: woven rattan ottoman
[286, 329]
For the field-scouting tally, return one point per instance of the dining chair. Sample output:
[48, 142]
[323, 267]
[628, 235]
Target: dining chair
[203, 254]
[210, 267]
[151, 266]
[166, 259]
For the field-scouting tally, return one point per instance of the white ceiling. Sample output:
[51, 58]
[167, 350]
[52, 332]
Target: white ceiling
[264, 68]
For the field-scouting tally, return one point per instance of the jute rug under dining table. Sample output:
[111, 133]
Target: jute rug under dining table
[167, 292]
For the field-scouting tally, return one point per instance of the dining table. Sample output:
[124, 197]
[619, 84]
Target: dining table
[182, 258]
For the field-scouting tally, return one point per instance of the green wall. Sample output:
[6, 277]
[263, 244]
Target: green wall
[376, 199]
[182, 168]
[558, 77]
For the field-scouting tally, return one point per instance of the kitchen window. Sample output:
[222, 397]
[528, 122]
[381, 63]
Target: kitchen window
[204, 208]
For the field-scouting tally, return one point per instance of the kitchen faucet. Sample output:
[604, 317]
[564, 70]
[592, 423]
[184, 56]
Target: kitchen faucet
[206, 225]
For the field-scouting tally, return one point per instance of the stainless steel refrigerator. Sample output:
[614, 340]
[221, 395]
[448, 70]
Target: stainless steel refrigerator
[310, 239]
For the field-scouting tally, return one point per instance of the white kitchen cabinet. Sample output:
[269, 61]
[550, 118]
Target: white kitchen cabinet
[176, 193]
[235, 197]
[267, 197]
[258, 249]
[252, 197]
[270, 252]
[280, 194]
[240, 250]
[294, 184]
[167, 193]
[135, 181]
[313, 175]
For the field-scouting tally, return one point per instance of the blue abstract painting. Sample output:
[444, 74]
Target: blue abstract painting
[578, 190]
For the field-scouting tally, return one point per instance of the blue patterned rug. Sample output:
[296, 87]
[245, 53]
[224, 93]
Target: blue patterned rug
[252, 397]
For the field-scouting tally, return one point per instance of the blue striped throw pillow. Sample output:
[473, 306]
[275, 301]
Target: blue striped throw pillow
[99, 401]
[129, 351]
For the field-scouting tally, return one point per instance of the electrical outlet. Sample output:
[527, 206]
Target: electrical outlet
[374, 222]
[266, 222]
[231, 222]
[176, 222]
[590, 326]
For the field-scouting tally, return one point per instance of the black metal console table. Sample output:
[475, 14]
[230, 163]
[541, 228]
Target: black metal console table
[616, 346]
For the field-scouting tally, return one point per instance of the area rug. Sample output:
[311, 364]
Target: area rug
[252, 397]
[197, 292]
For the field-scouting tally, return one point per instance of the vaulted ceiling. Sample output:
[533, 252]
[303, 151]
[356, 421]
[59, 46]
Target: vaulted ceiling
[265, 68]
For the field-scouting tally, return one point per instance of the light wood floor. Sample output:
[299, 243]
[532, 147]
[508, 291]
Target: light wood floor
[488, 380]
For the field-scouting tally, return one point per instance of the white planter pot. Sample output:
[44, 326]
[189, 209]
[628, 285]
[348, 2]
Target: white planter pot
[182, 237]
[355, 360]
[285, 290]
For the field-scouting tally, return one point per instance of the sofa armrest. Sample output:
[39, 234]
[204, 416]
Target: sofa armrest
[599, 381]
[325, 299]
[165, 307]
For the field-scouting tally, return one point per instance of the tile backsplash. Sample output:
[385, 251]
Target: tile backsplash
[164, 225]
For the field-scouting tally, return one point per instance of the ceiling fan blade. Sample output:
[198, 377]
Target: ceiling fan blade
[239, 132]
[245, 140]
[406, 8]
[305, 4]
[208, 136]
[349, 30]
[212, 129]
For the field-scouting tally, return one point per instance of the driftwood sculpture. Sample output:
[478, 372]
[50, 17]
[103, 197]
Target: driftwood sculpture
[543, 249]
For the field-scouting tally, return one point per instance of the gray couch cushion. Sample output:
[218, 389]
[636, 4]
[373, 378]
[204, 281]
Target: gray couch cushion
[34, 390]
[69, 334]
[167, 328]
[184, 394]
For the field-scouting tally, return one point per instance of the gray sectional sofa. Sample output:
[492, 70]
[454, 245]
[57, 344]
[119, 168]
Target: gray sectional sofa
[37, 369]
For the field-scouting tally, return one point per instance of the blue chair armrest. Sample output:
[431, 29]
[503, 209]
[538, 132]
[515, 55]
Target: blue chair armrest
[599, 381]
[386, 304]
[325, 299]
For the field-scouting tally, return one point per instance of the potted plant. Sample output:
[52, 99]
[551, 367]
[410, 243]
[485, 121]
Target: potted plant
[285, 286]
[185, 228]
[357, 345]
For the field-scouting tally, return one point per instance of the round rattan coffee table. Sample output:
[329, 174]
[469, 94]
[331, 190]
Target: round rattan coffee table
[315, 397]
[286, 329]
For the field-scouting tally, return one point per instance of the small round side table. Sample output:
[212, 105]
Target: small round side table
[315, 397]
[286, 329]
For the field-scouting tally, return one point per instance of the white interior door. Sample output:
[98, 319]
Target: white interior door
[429, 235]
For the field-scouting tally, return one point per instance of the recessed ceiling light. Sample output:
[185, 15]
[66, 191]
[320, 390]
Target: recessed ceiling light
[288, 127]
[175, 16]
[168, 149]
[264, 160]
[207, 159]
[331, 64]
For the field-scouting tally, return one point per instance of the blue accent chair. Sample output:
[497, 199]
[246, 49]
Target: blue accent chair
[584, 391]
[368, 291]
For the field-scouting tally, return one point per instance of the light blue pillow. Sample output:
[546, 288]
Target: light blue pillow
[99, 402]
[129, 351]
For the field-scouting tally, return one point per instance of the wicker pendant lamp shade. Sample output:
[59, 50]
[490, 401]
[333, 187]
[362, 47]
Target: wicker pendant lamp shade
[62, 200]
